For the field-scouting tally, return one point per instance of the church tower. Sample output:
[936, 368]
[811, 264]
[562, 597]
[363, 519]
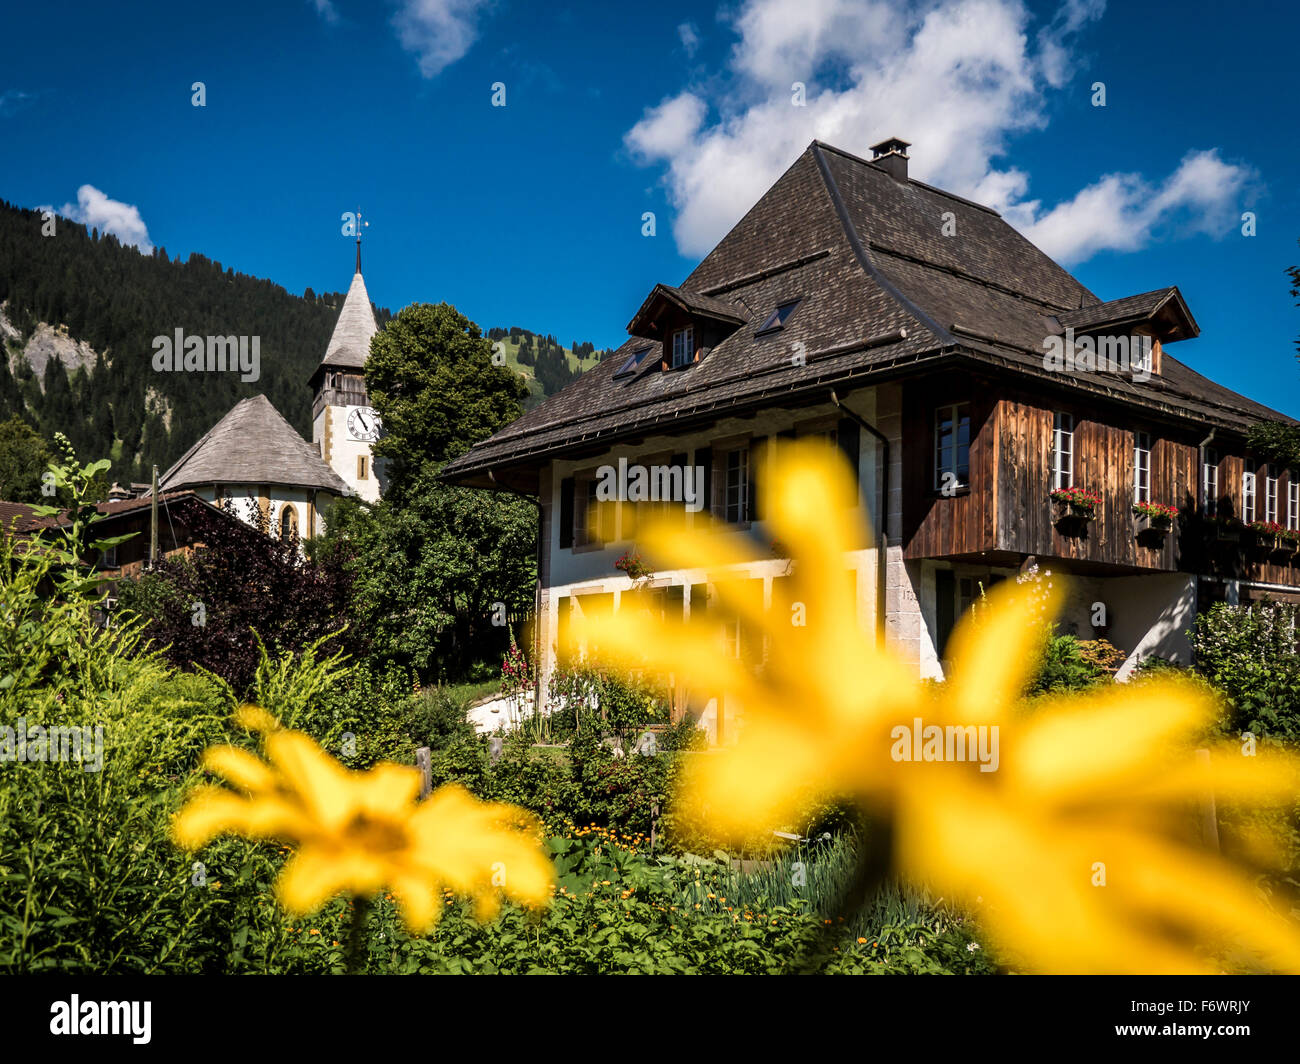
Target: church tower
[344, 426]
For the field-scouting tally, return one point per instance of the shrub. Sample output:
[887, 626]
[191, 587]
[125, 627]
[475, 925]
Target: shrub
[1249, 654]
[1066, 667]
[439, 718]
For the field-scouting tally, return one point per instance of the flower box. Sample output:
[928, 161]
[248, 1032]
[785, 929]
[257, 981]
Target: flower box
[1153, 516]
[1272, 538]
[1076, 503]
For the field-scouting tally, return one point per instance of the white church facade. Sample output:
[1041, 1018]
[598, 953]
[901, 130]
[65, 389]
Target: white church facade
[256, 463]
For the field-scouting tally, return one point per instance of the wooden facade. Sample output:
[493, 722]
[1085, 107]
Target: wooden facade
[1004, 514]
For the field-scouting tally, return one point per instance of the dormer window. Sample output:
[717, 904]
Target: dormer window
[683, 346]
[776, 320]
[634, 361]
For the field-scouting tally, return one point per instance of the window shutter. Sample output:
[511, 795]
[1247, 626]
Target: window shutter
[847, 438]
[704, 459]
[699, 601]
[566, 513]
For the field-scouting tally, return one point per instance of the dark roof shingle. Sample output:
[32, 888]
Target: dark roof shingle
[881, 285]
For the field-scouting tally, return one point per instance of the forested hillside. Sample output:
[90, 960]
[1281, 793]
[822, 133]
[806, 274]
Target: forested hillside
[104, 303]
[117, 300]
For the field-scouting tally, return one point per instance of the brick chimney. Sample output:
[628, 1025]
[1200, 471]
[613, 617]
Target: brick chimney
[891, 156]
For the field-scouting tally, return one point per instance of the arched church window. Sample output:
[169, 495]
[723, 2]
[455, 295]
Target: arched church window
[288, 522]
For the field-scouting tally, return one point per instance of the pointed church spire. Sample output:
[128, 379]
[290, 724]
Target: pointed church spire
[358, 240]
[350, 342]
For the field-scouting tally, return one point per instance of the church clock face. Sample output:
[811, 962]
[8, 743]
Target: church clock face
[363, 424]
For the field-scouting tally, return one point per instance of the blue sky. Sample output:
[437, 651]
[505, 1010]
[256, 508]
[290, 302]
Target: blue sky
[531, 213]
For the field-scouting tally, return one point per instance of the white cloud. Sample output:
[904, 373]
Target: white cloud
[1123, 212]
[689, 35]
[438, 31]
[96, 210]
[959, 78]
[669, 129]
[326, 10]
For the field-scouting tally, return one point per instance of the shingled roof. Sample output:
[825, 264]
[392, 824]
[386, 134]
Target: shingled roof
[349, 345]
[882, 290]
[252, 444]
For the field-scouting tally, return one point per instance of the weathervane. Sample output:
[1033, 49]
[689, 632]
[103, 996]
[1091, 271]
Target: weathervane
[360, 223]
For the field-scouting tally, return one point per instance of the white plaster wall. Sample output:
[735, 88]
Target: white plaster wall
[244, 497]
[1150, 616]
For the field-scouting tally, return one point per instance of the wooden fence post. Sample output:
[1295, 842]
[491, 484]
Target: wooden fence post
[1209, 812]
[424, 762]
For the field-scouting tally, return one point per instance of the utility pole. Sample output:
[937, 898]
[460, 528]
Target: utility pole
[153, 520]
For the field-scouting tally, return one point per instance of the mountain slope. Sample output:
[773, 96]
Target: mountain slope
[79, 313]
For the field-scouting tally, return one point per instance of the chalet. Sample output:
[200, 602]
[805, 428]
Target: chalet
[925, 336]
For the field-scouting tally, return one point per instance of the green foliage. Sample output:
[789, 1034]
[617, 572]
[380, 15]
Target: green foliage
[590, 696]
[431, 378]
[1249, 654]
[621, 911]
[116, 300]
[439, 717]
[23, 458]
[1276, 442]
[1066, 667]
[427, 571]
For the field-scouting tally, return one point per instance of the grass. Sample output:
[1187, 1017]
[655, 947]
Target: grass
[534, 387]
[467, 693]
[810, 877]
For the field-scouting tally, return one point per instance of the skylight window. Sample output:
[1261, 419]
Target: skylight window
[776, 319]
[634, 360]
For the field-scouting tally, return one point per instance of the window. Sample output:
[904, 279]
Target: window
[288, 523]
[1293, 501]
[1270, 496]
[108, 560]
[776, 319]
[735, 485]
[683, 346]
[361, 467]
[1248, 492]
[1063, 451]
[952, 446]
[1210, 482]
[633, 362]
[584, 533]
[1141, 467]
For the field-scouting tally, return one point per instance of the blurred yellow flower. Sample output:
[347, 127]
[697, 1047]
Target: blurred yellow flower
[359, 832]
[817, 718]
[1071, 818]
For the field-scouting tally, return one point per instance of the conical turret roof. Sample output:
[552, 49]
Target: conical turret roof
[350, 344]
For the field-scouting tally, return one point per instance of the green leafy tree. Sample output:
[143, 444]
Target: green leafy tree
[429, 572]
[431, 378]
[23, 458]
